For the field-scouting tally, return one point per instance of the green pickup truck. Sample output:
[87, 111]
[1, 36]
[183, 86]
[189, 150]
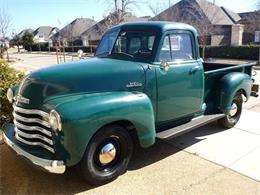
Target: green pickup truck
[145, 82]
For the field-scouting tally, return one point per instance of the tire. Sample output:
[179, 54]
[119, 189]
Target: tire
[98, 168]
[231, 119]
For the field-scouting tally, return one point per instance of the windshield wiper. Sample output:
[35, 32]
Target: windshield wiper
[122, 54]
[103, 54]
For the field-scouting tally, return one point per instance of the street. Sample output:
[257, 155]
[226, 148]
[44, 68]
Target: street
[208, 160]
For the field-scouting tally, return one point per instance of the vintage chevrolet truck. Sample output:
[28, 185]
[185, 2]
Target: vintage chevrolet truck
[145, 82]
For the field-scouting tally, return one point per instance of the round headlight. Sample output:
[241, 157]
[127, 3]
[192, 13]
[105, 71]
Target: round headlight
[10, 95]
[55, 120]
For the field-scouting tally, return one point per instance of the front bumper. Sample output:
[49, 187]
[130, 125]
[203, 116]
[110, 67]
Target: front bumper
[52, 166]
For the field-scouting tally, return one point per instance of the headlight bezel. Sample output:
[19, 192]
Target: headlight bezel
[10, 95]
[55, 120]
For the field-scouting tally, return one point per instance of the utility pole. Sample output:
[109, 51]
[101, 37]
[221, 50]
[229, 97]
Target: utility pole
[214, 2]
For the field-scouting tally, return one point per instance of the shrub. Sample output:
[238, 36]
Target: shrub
[8, 77]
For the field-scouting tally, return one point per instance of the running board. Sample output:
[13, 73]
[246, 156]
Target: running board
[193, 124]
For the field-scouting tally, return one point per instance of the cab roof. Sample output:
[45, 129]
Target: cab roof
[157, 26]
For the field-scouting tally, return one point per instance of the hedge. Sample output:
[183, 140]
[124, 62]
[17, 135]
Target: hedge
[45, 47]
[239, 52]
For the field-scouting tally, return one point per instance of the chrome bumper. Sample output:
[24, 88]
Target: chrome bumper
[52, 166]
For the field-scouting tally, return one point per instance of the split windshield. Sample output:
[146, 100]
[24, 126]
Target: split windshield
[127, 45]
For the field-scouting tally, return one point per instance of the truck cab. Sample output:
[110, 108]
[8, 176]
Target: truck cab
[146, 79]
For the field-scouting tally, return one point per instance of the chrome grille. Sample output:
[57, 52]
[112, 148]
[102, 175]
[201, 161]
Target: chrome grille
[32, 128]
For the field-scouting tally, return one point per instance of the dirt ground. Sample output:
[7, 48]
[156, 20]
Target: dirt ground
[161, 169]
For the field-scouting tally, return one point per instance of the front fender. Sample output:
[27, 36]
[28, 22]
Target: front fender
[230, 84]
[83, 115]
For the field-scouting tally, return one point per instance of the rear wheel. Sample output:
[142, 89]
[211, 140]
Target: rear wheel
[107, 155]
[233, 117]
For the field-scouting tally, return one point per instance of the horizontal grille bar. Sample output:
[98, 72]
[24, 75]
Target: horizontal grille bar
[45, 115]
[33, 143]
[32, 128]
[33, 136]
[31, 120]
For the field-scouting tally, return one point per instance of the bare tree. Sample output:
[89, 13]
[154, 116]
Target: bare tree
[157, 8]
[5, 24]
[121, 8]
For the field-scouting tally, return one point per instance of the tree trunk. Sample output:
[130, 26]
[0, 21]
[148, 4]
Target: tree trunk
[203, 51]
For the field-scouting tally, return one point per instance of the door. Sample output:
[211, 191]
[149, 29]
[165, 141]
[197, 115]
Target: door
[180, 88]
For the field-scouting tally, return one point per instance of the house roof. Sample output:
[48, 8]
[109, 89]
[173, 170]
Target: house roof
[232, 15]
[96, 31]
[20, 34]
[247, 16]
[76, 28]
[216, 15]
[43, 31]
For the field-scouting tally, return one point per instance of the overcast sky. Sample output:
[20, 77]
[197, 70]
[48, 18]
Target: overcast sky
[35, 13]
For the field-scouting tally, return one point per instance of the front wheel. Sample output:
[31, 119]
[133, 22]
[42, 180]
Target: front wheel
[231, 119]
[107, 155]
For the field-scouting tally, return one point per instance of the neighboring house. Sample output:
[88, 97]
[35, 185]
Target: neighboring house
[4, 43]
[251, 20]
[70, 34]
[93, 35]
[216, 25]
[43, 34]
[20, 34]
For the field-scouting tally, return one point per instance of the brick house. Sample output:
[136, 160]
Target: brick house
[216, 25]
[251, 21]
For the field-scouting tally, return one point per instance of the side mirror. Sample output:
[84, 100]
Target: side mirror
[164, 66]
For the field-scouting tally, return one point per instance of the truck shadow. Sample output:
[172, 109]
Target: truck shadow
[162, 149]
[18, 177]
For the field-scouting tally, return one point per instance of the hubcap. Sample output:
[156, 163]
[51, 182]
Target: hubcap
[233, 110]
[107, 154]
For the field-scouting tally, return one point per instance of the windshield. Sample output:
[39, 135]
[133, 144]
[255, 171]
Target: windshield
[129, 45]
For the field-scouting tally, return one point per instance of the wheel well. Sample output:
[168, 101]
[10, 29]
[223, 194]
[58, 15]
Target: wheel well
[129, 126]
[243, 93]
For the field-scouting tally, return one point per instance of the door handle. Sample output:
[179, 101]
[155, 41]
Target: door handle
[194, 69]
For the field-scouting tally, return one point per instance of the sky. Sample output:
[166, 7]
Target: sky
[58, 13]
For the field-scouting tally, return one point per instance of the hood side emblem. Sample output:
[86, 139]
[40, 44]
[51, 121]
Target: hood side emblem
[134, 84]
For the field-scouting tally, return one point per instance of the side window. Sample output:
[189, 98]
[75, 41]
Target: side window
[120, 45]
[165, 53]
[151, 40]
[135, 45]
[180, 46]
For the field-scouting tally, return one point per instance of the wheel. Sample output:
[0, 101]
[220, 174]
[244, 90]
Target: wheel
[107, 155]
[233, 117]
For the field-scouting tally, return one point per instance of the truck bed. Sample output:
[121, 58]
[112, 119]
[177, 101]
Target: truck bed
[213, 72]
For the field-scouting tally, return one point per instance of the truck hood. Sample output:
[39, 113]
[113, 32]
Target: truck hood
[87, 76]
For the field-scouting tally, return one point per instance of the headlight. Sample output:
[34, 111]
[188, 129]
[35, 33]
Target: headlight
[55, 120]
[10, 95]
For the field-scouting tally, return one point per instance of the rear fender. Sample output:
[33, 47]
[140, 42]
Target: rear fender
[230, 84]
